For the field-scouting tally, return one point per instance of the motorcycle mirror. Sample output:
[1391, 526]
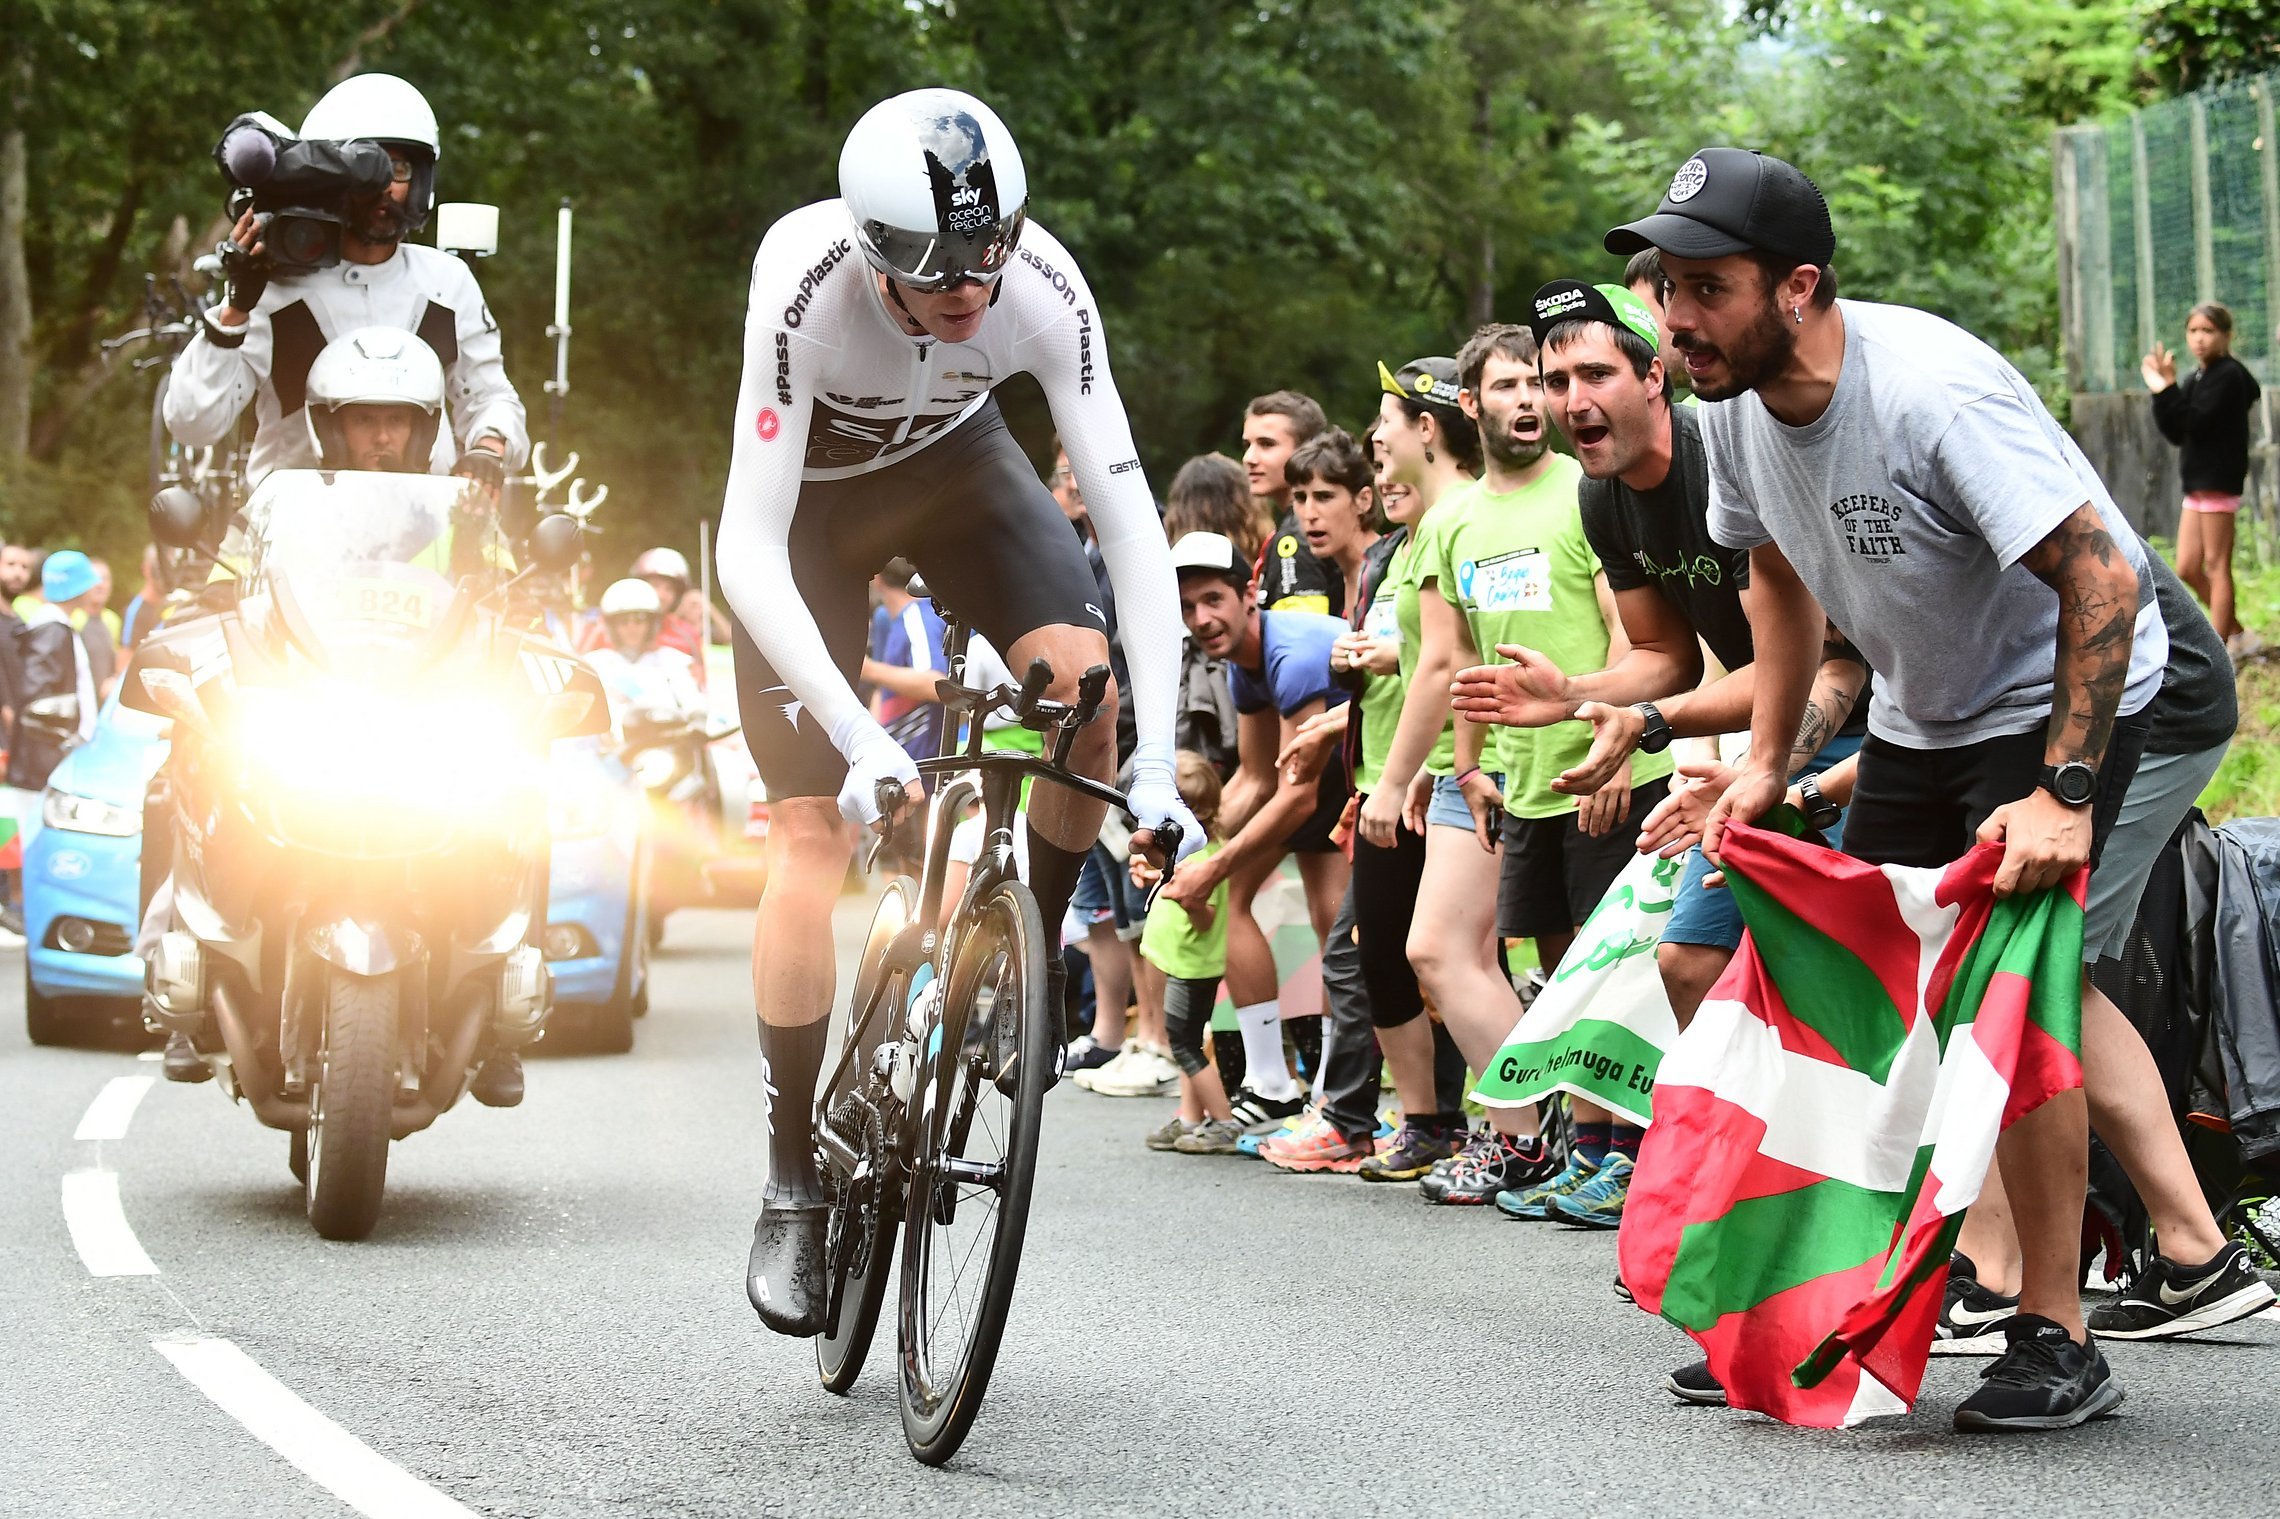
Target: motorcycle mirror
[554, 542]
[177, 518]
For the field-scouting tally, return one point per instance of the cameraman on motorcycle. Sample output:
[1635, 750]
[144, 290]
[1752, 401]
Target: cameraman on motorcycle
[259, 345]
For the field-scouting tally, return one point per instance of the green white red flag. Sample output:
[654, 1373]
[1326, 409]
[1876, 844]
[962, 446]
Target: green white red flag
[1831, 1111]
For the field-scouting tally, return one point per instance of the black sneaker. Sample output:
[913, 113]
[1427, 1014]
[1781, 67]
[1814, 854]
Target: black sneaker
[784, 1276]
[499, 1084]
[1083, 1054]
[1255, 1114]
[182, 1062]
[1695, 1384]
[2164, 1303]
[1972, 1317]
[2043, 1381]
[1493, 1162]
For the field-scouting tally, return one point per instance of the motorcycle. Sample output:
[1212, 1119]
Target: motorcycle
[670, 756]
[358, 806]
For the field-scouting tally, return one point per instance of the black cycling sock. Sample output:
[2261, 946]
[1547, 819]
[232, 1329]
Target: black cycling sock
[1052, 881]
[791, 1056]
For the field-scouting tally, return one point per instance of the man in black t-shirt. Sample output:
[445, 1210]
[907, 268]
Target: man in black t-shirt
[1645, 504]
[1289, 577]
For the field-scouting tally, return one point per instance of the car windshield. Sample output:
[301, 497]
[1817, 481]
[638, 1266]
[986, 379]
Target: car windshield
[384, 553]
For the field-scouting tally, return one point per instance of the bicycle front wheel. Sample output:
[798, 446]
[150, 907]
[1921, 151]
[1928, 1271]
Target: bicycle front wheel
[980, 1108]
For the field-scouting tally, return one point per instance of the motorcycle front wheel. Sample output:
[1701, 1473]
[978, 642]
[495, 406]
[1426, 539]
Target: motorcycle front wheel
[352, 1105]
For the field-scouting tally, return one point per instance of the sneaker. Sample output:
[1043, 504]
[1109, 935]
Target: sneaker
[499, 1083]
[2163, 1304]
[2043, 1381]
[1318, 1147]
[1137, 1072]
[2244, 646]
[1167, 1136]
[1695, 1384]
[1598, 1203]
[1215, 1136]
[1492, 1163]
[1264, 1114]
[1972, 1317]
[1535, 1202]
[1085, 1054]
[1411, 1155]
[182, 1062]
[1623, 1292]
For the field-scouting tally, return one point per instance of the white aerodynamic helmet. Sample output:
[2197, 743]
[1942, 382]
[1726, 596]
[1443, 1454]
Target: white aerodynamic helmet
[382, 108]
[375, 366]
[632, 596]
[935, 187]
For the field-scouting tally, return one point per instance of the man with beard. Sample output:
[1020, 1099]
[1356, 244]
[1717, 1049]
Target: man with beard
[1898, 471]
[258, 344]
[1519, 571]
[1290, 578]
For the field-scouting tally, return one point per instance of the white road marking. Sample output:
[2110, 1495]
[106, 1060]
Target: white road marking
[113, 1108]
[98, 1226]
[330, 1456]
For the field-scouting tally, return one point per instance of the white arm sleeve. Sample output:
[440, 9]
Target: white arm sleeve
[1070, 360]
[756, 516]
[209, 385]
[482, 398]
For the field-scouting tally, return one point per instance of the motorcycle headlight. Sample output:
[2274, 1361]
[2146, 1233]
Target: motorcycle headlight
[443, 755]
[86, 814]
[655, 769]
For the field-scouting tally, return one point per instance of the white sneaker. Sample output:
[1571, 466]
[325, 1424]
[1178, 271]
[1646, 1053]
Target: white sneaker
[1088, 1079]
[1138, 1072]
[2244, 646]
[1160, 1061]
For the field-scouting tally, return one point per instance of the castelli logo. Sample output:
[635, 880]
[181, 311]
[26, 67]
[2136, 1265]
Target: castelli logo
[768, 424]
[1687, 183]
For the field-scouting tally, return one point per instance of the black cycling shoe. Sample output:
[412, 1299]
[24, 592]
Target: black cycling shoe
[499, 1084]
[2044, 1381]
[182, 1062]
[1695, 1384]
[784, 1277]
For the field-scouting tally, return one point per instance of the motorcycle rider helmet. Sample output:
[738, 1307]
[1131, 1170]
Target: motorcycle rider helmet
[632, 598]
[934, 185]
[375, 366]
[663, 564]
[384, 109]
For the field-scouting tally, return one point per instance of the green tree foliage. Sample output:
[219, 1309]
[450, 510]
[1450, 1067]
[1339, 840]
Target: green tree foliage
[1263, 192]
[2198, 42]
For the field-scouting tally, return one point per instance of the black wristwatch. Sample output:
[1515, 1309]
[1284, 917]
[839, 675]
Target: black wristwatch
[2073, 783]
[1658, 735]
[1819, 810]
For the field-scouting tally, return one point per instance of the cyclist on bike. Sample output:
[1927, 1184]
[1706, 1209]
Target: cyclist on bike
[259, 344]
[865, 428]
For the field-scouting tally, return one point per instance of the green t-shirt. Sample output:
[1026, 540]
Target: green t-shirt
[1417, 564]
[1520, 569]
[1381, 694]
[1170, 943]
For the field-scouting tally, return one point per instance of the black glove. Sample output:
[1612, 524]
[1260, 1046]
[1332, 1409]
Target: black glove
[483, 467]
[247, 276]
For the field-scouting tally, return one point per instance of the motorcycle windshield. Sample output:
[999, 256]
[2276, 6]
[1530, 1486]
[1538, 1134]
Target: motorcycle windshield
[372, 561]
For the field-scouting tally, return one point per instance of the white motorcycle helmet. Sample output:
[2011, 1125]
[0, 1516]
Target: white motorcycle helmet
[632, 597]
[375, 366]
[935, 187]
[663, 564]
[382, 108]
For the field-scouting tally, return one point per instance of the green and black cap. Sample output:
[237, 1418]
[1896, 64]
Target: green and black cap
[1574, 301]
[1432, 380]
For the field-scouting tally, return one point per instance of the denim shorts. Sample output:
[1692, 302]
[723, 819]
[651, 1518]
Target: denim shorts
[1448, 809]
[1710, 917]
[1105, 894]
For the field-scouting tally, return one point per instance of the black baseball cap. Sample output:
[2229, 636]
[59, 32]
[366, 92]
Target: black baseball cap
[1733, 200]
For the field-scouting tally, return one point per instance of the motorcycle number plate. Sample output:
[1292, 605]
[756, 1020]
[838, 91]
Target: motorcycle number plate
[411, 606]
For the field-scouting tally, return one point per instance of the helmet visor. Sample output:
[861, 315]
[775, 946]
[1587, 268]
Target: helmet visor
[935, 259]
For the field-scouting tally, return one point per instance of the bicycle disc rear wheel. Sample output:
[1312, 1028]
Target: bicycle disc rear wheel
[981, 1106]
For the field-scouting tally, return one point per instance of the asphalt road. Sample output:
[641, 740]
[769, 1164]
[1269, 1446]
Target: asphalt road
[550, 1320]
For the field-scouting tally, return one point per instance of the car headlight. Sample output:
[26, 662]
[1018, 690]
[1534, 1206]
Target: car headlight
[87, 814]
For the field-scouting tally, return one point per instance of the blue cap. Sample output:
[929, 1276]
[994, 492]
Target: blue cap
[66, 574]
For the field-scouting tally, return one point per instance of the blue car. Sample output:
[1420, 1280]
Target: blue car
[597, 919]
[82, 881]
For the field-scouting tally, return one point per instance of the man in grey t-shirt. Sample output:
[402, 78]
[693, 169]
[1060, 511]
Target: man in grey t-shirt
[1896, 469]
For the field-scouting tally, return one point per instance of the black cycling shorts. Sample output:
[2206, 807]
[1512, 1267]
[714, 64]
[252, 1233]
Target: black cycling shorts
[987, 537]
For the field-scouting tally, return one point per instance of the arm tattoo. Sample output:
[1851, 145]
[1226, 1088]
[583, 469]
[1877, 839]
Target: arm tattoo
[2097, 624]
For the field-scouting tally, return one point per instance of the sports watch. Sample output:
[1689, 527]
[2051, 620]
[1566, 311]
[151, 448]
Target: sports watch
[1819, 810]
[2073, 783]
[1658, 735]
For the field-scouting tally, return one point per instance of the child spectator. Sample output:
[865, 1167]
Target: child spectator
[1187, 946]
